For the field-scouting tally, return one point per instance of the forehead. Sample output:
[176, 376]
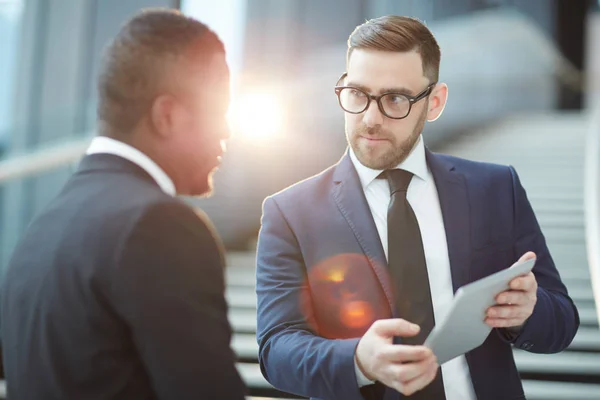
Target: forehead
[376, 69]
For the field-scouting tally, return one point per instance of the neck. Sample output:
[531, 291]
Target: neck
[143, 140]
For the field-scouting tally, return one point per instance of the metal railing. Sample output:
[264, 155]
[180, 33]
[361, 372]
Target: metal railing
[42, 160]
[592, 203]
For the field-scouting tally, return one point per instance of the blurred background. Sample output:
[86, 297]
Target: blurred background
[524, 89]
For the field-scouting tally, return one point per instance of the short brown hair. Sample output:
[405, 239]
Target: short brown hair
[136, 63]
[401, 34]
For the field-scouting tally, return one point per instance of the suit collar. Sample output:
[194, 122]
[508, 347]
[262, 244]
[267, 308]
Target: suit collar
[441, 163]
[351, 201]
[106, 145]
[101, 162]
[454, 201]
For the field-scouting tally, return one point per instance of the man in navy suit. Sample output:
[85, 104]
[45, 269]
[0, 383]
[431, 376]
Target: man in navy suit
[116, 290]
[356, 264]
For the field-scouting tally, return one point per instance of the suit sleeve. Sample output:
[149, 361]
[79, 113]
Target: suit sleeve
[168, 288]
[292, 358]
[555, 320]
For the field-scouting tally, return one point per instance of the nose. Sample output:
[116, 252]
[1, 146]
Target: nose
[372, 115]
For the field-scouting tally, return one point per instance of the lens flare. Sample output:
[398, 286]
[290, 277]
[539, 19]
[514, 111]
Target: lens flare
[256, 115]
[344, 296]
[356, 314]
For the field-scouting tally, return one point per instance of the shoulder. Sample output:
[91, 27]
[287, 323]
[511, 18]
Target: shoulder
[170, 232]
[310, 187]
[167, 216]
[478, 171]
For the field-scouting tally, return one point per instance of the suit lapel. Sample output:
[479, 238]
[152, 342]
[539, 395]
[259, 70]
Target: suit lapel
[454, 202]
[352, 203]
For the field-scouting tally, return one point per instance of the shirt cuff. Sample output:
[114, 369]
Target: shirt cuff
[361, 379]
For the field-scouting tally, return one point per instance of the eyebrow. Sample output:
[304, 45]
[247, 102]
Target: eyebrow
[399, 89]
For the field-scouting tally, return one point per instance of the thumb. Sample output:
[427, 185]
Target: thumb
[395, 327]
[527, 256]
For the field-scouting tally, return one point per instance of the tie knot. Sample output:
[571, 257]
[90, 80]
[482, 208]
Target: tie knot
[398, 179]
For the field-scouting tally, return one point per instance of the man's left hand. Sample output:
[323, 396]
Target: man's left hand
[514, 306]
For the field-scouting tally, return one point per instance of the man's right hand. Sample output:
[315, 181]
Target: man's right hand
[405, 368]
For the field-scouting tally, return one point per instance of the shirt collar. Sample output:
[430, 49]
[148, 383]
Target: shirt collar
[415, 163]
[106, 145]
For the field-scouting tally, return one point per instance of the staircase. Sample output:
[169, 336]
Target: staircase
[547, 152]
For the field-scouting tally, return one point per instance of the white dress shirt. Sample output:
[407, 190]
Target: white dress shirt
[106, 145]
[423, 198]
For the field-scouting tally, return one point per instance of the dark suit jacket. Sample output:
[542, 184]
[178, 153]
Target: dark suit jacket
[116, 291]
[321, 275]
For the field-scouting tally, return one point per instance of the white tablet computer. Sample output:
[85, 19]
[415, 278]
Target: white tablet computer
[463, 328]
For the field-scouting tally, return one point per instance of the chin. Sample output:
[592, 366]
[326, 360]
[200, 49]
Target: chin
[378, 160]
[203, 188]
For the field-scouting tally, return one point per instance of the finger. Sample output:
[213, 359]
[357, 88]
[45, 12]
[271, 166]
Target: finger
[420, 381]
[394, 327]
[409, 371]
[527, 256]
[517, 283]
[504, 323]
[404, 353]
[504, 312]
[512, 297]
[523, 283]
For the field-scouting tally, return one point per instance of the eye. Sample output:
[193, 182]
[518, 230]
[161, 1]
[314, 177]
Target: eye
[396, 99]
[356, 93]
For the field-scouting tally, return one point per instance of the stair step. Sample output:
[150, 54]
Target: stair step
[534, 390]
[565, 363]
[546, 390]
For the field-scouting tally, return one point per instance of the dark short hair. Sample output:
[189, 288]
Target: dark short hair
[135, 62]
[401, 34]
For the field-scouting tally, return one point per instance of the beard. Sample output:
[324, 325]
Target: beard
[389, 153]
[205, 188]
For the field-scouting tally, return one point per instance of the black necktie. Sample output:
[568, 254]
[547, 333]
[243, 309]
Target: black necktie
[406, 260]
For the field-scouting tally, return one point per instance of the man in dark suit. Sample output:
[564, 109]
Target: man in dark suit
[356, 264]
[116, 289]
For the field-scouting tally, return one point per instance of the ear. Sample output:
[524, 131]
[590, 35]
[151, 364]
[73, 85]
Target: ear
[437, 101]
[164, 115]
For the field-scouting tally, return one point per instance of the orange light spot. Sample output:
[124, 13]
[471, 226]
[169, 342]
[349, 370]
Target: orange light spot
[336, 275]
[356, 314]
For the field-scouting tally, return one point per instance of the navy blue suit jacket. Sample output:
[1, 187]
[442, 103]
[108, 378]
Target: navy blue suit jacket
[322, 277]
[116, 291]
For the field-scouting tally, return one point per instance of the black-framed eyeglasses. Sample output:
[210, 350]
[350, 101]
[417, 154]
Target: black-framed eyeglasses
[392, 105]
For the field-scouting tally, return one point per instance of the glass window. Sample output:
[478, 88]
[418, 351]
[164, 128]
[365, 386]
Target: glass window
[227, 21]
[10, 28]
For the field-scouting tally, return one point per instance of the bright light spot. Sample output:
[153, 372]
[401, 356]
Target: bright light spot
[356, 314]
[256, 115]
[336, 275]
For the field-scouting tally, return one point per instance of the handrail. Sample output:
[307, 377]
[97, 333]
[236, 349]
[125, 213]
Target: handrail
[592, 203]
[38, 161]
